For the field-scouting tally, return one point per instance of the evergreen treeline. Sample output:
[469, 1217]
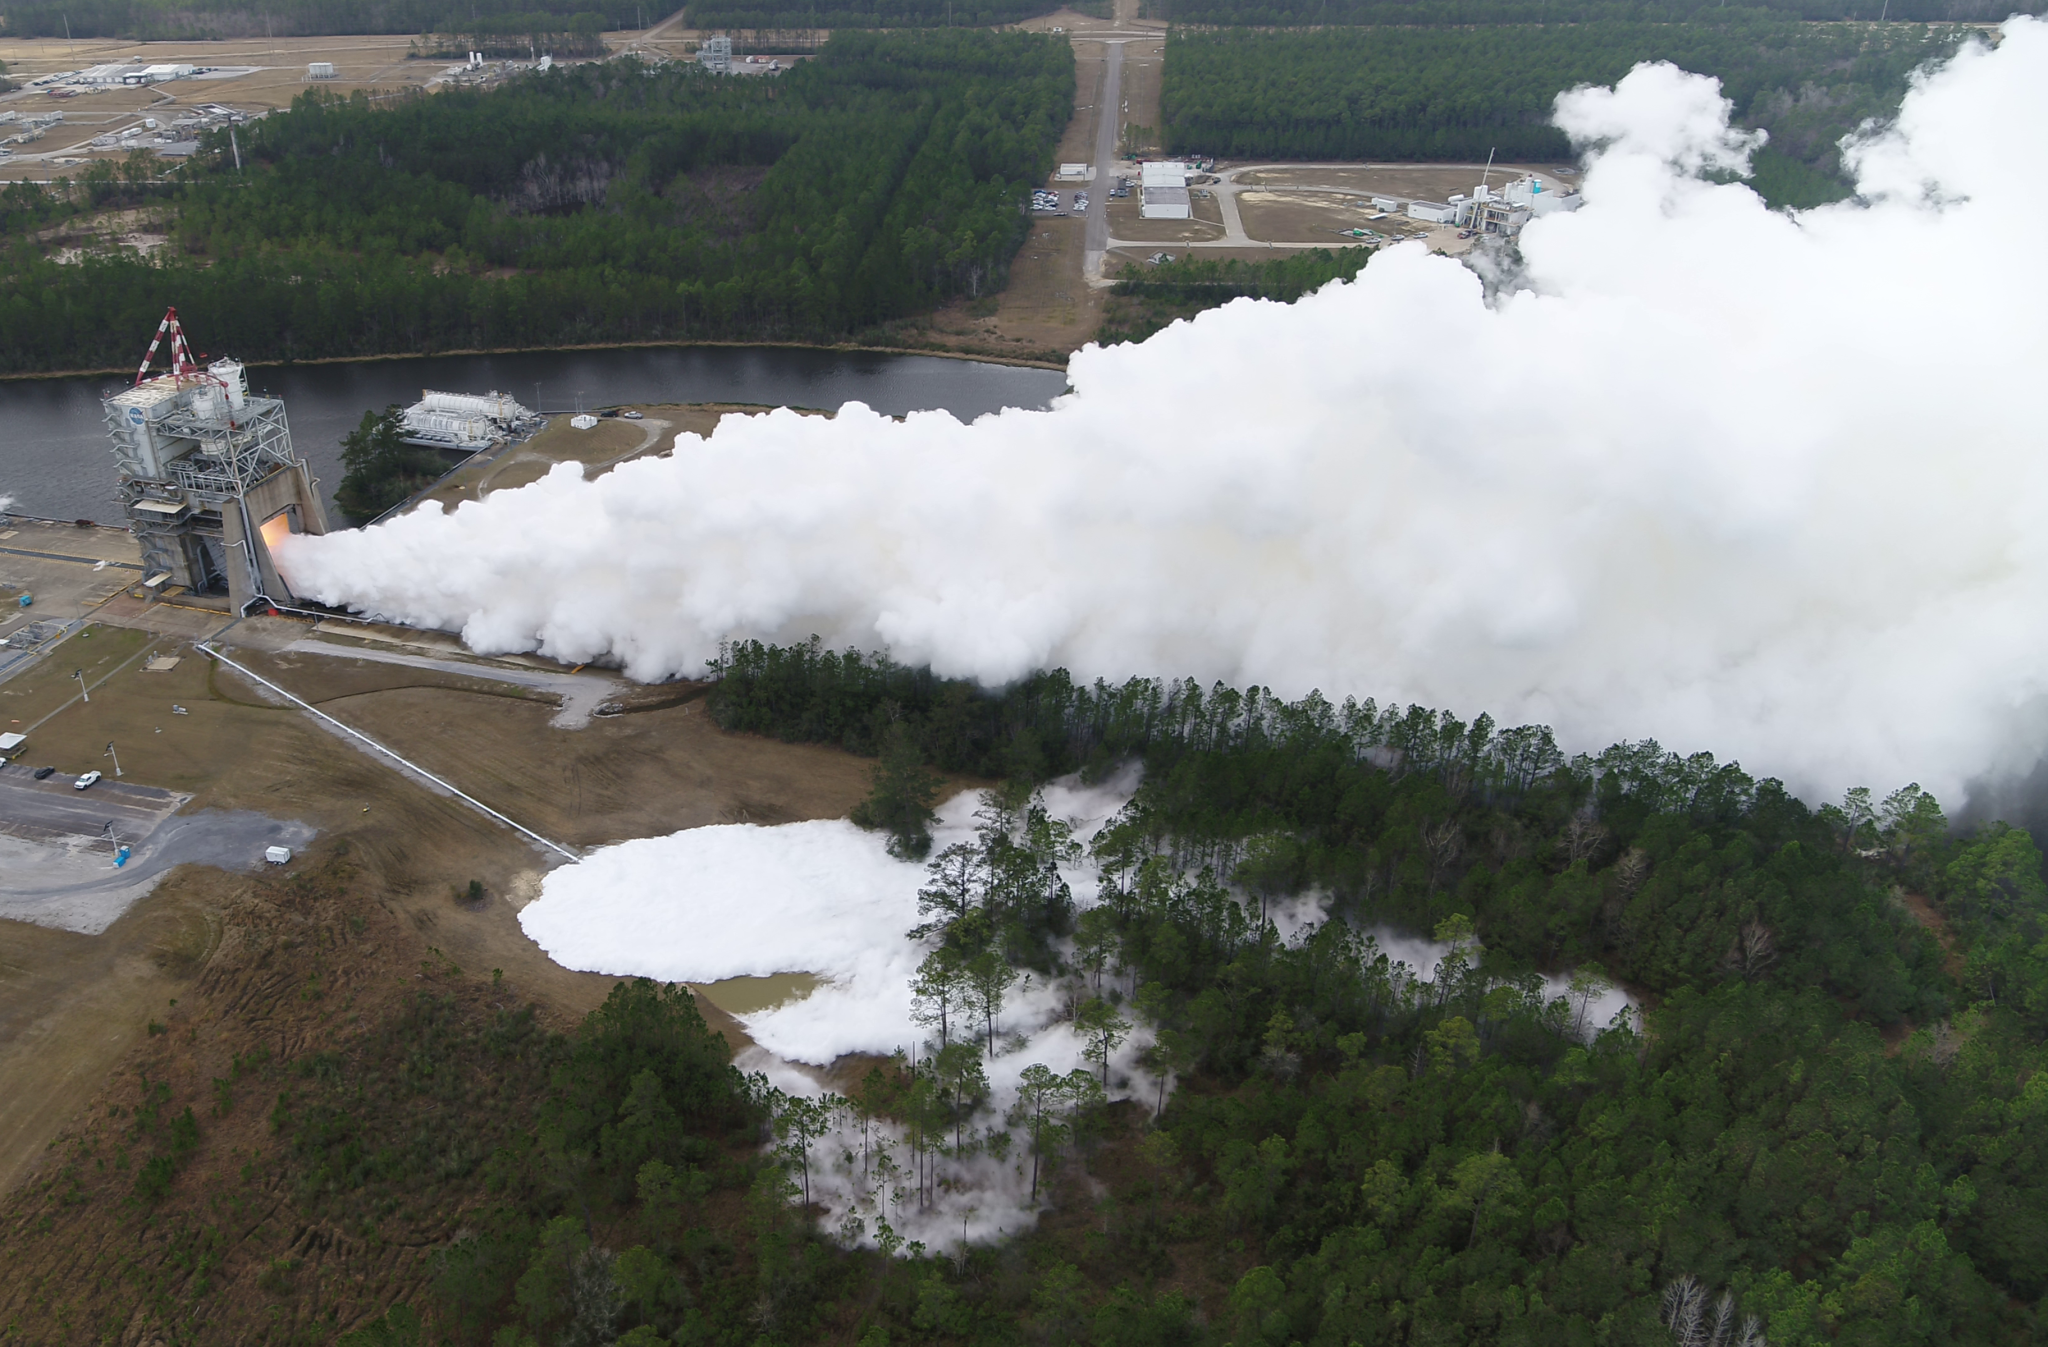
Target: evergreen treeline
[715, 14]
[599, 203]
[1146, 300]
[1825, 1122]
[159, 20]
[1460, 94]
[1484, 13]
[1828, 1110]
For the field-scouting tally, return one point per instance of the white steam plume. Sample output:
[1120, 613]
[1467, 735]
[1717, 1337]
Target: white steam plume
[1761, 483]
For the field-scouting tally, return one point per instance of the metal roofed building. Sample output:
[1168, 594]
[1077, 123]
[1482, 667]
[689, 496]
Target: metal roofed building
[1164, 203]
[1163, 190]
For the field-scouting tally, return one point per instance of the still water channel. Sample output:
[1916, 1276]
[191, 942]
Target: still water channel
[55, 462]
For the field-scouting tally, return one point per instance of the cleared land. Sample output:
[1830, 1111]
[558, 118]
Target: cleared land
[74, 1007]
[1052, 306]
[1205, 226]
[610, 441]
[268, 75]
[1431, 182]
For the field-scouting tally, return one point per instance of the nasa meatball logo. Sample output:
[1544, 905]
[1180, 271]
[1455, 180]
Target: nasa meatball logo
[135, 415]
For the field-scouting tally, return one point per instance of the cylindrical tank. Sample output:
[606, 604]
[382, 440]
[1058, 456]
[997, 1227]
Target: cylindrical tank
[231, 373]
[497, 406]
[207, 401]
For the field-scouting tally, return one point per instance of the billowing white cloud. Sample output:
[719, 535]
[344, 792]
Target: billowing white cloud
[1766, 484]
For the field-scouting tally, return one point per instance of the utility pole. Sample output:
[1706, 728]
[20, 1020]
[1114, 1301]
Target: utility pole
[110, 753]
[236, 146]
[83, 690]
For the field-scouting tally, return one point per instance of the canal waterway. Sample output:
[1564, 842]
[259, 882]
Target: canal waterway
[56, 463]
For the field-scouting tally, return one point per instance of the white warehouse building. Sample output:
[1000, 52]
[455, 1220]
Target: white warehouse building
[1163, 190]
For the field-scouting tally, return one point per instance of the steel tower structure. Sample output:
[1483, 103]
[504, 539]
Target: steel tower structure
[208, 477]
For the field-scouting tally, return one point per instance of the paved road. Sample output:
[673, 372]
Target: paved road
[78, 888]
[1108, 113]
[135, 811]
[581, 694]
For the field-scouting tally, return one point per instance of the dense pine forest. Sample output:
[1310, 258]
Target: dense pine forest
[1824, 1122]
[1482, 13]
[187, 19]
[1830, 1107]
[1457, 94]
[611, 202]
[800, 14]
[1146, 299]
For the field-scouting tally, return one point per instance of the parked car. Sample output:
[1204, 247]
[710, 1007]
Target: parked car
[632, 416]
[85, 781]
[45, 773]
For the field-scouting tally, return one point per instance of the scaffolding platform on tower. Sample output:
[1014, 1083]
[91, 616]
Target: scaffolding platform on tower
[208, 477]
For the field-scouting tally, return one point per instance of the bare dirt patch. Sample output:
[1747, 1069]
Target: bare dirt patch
[1932, 919]
[1139, 119]
[1308, 217]
[610, 442]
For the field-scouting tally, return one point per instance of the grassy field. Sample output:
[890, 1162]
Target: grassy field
[93, 649]
[72, 1007]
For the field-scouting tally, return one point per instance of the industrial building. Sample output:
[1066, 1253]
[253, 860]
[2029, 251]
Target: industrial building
[208, 477]
[1486, 211]
[463, 421]
[320, 70]
[1163, 190]
[715, 55]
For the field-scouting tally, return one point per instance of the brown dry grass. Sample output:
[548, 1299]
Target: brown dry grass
[82, 1002]
[609, 442]
[1304, 217]
[377, 64]
[1432, 182]
[1125, 222]
[93, 649]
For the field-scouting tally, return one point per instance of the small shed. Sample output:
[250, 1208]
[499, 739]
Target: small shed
[278, 855]
[583, 421]
[320, 70]
[10, 742]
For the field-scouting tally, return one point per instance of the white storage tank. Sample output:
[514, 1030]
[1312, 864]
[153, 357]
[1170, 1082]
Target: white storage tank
[231, 373]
